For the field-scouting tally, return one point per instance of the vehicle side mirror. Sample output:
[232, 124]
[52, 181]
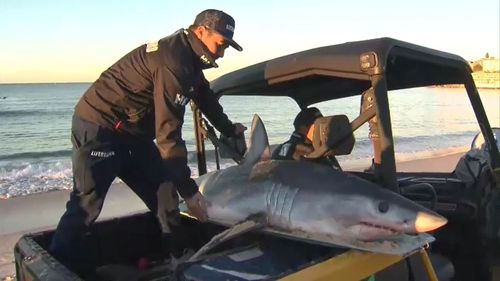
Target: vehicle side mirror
[478, 141]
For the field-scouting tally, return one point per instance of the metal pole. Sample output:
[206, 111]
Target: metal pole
[484, 125]
[200, 140]
[431, 274]
[386, 175]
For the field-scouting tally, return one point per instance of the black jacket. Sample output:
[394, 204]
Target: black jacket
[144, 94]
[286, 150]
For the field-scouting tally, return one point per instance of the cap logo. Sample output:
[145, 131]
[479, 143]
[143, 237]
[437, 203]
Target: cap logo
[230, 27]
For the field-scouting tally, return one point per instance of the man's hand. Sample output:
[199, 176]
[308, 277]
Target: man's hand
[197, 206]
[301, 150]
[239, 128]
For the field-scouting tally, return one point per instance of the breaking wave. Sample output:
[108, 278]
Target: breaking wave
[36, 155]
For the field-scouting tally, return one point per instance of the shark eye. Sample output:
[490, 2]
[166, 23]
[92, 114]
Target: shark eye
[383, 206]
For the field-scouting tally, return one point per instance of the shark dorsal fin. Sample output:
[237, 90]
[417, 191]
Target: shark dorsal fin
[258, 149]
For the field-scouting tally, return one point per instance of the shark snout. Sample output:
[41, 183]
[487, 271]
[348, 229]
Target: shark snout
[425, 222]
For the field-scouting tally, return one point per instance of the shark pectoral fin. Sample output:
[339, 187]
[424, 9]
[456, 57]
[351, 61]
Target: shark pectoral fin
[258, 218]
[258, 149]
[253, 222]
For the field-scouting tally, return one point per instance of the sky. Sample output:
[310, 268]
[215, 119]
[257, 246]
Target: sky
[74, 41]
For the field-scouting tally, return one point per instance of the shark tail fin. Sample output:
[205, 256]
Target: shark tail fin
[258, 149]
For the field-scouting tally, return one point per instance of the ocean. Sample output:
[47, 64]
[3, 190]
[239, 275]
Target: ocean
[35, 121]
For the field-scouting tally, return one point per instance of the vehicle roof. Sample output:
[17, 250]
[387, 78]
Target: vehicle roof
[333, 72]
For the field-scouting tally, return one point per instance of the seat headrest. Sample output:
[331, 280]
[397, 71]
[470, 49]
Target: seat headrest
[332, 135]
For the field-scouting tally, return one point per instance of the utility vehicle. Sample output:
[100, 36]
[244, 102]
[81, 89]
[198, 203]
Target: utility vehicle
[465, 249]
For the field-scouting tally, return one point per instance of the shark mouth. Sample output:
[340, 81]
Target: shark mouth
[371, 231]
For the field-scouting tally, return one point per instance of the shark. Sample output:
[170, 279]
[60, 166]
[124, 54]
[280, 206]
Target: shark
[315, 203]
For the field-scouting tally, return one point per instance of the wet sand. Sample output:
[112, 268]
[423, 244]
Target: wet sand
[21, 215]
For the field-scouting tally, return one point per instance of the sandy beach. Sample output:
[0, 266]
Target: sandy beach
[37, 212]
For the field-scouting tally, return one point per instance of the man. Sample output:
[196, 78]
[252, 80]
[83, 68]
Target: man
[140, 98]
[300, 142]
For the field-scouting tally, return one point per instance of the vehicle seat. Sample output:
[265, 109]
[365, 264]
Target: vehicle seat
[333, 135]
[420, 192]
[446, 195]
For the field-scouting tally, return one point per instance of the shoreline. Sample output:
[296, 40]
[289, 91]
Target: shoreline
[442, 161]
[41, 211]
[346, 162]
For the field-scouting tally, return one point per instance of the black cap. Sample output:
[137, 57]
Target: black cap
[220, 22]
[306, 117]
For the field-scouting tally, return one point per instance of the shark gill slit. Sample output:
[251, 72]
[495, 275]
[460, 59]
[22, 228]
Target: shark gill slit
[279, 200]
[272, 201]
[288, 203]
[269, 194]
[286, 189]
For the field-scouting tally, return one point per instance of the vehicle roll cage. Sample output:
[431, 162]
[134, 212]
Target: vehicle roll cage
[368, 69]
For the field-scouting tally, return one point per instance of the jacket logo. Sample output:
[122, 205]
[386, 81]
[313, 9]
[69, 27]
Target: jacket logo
[152, 47]
[204, 59]
[181, 100]
[285, 149]
[102, 154]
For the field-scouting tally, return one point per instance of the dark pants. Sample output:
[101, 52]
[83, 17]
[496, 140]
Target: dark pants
[99, 156]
